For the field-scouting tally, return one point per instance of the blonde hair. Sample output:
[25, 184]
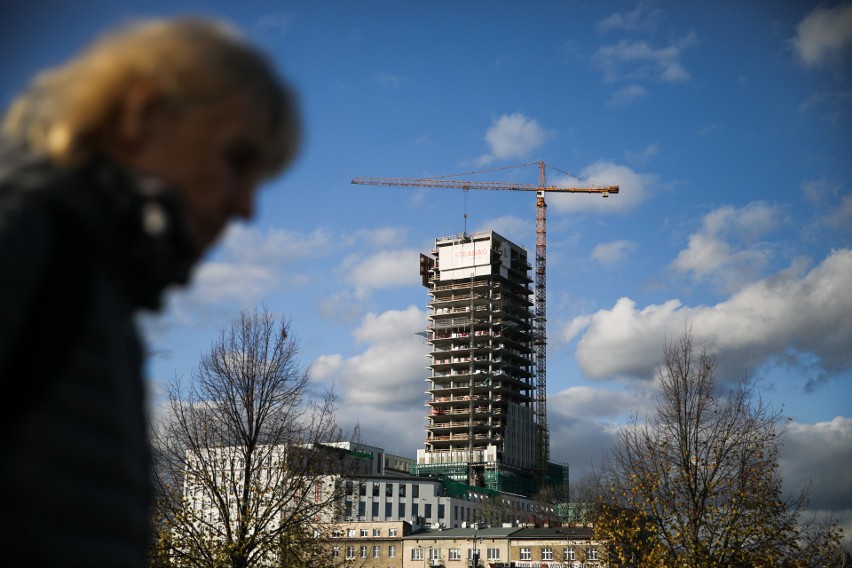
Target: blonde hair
[65, 111]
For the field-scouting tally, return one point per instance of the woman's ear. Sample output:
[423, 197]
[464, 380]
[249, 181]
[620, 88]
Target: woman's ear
[137, 116]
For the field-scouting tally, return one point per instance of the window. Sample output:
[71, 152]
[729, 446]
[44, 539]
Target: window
[377, 552]
[441, 511]
[591, 553]
[493, 553]
[362, 490]
[415, 509]
[364, 533]
[388, 510]
[392, 551]
[336, 533]
[428, 510]
[434, 554]
[568, 554]
[363, 552]
[402, 510]
[388, 489]
[417, 553]
[350, 552]
[391, 532]
[335, 552]
[402, 489]
[547, 553]
[526, 554]
[455, 554]
[362, 508]
[374, 509]
[377, 532]
[375, 490]
[415, 490]
[350, 533]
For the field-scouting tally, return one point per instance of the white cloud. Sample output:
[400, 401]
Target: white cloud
[513, 136]
[343, 307]
[377, 237]
[627, 95]
[791, 312]
[841, 216]
[389, 79]
[642, 18]
[642, 156]
[831, 195]
[824, 35]
[818, 191]
[625, 341]
[387, 377]
[750, 222]
[704, 255]
[587, 402]
[249, 264]
[382, 269]
[612, 252]
[280, 23]
[584, 423]
[637, 60]
[511, 227]
[216, 282]
[633, 189]
[710, 255]
[248, 245]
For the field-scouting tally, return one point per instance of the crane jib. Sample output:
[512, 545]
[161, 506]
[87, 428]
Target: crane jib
[462, 184]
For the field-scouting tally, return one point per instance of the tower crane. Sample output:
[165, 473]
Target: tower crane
[540, 303]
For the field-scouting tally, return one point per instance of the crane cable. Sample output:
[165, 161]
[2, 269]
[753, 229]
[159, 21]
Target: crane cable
[484, 171]
[465, 191]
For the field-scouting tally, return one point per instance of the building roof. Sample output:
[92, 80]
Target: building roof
[568, 533]
[464, 534]
[518, 533]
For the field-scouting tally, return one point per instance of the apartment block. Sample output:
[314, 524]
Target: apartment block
[368, 544]
[480, 423]
[504, 547]
[429, 502]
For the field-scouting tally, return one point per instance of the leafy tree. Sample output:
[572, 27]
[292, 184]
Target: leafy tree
[698, 484]
[244, 471]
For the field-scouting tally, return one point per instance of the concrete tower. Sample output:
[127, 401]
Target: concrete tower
[480, 424]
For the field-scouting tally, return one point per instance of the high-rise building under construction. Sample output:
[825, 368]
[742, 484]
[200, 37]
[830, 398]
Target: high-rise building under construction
[481, 426]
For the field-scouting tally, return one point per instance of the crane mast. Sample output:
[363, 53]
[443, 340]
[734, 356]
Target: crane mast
[540, 301]
[540, 327]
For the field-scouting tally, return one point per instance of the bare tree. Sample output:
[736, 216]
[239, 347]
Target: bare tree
[244, 471]
[698, 484]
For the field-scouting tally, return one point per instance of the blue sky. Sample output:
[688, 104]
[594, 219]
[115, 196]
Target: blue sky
[727, 127]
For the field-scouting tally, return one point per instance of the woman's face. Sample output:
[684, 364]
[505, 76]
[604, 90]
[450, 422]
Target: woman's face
[212, 154]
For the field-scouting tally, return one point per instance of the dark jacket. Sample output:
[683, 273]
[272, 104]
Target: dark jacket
[80, 252]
